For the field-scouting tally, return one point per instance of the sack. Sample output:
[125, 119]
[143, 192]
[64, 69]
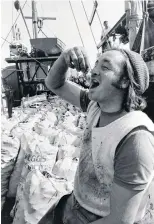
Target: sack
[9, 150]
[66, 168]
[37, 195]
[64, 138]
[54, 214]
[16, 174]
[68, 151]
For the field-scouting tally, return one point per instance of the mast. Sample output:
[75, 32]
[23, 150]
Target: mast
[34, 19]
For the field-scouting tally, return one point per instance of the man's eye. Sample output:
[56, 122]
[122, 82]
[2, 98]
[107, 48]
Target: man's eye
[105, 68]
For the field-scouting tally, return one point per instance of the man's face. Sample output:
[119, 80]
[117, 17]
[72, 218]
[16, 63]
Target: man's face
[106, 76]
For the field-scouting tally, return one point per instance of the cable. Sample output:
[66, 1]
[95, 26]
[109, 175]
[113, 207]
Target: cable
[13, 25]
[43, 24]
[43, 33]
[101, 24]
[100, 21]
[76, 24]
[12, 18]
[42, 9]
[50, 30]
[6, 40]
[32, 57]
[89, 25]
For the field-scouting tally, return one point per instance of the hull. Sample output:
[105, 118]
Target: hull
[10, 81]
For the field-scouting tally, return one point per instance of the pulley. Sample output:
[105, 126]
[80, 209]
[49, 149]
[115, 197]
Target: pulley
[17, 5]
[40, 23]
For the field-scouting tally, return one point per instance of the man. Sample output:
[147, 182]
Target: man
[105, 30]
[116, 161]
[107, 44]
[134, 17]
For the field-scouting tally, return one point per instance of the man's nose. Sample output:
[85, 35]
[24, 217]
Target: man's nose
[94, 72]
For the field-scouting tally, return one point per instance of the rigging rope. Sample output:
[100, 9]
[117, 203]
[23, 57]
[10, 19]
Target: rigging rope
[43, 23]
[101, 24]
[100, 21]
[41, 30]
[12, 20]
[43, 33]
[89, 24]
[12, 26]
[31, 57]
[76, 24]
[6, 40]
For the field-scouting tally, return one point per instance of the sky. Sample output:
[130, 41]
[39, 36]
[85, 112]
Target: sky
[64, 26]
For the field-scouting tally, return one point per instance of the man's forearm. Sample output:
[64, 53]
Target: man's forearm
[57, 75]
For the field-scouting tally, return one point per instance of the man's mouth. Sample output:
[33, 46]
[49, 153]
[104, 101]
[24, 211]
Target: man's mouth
[94, 83]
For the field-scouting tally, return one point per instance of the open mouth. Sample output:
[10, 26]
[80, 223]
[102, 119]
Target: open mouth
[94, 83]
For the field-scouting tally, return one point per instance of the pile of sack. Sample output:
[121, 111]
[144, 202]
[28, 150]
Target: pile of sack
[49, 143]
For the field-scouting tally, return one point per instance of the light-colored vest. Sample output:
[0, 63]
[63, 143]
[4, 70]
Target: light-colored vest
[95, 172]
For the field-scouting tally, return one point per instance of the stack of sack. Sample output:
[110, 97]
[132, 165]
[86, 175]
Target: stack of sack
[50, 142]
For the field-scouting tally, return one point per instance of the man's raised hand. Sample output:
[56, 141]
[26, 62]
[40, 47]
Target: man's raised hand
[76, 57]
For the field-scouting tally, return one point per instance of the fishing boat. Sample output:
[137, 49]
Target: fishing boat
[29, 201]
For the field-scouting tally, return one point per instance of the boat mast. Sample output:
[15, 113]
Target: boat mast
[34, 19]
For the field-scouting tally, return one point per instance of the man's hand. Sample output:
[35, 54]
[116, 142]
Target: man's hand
[57, 81]
[76, 58]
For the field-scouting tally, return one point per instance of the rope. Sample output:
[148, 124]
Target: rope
[43, 33]
[12, 18]
[43, 23]
[89, 25]
[50, 30]
[101, 24]
[12, 26]
[32, 57]
[76, 24]
[144, 5]
[6, 40]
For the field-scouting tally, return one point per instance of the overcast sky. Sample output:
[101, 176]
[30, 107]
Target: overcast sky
[64, 26]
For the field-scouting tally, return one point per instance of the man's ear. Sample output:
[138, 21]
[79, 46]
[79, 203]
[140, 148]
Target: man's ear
[124, 83]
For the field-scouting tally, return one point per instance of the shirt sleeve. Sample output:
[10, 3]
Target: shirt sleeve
[84, 100]
[134, 161]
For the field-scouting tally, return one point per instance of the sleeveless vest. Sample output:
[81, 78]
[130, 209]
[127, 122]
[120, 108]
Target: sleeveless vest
[95, 172]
